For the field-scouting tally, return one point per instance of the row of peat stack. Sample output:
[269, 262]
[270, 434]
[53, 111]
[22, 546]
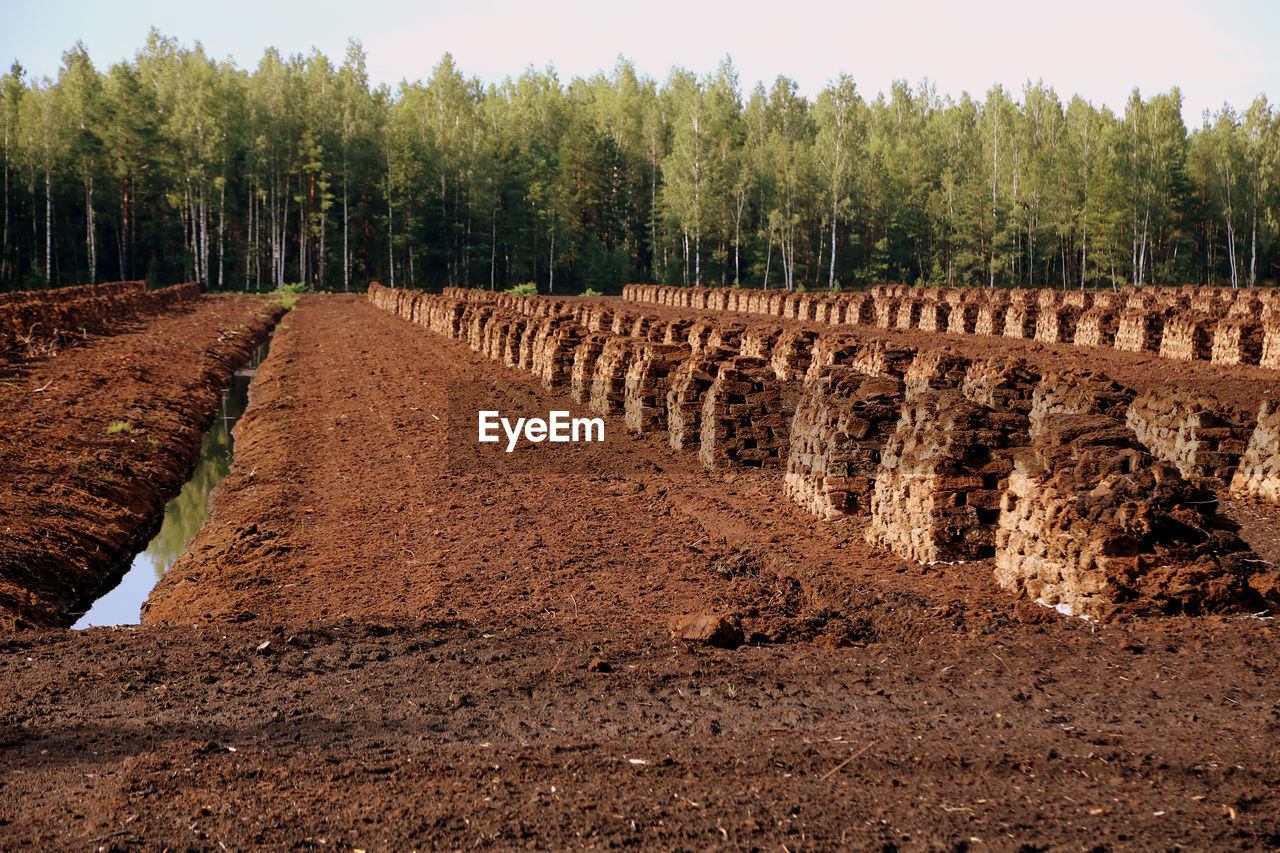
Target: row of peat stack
[1179, 323]
[945, 459]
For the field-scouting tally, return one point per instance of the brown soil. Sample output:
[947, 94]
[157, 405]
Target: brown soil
[390, 636]
[82, 499]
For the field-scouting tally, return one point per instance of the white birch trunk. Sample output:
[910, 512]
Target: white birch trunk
[48, 228]
[831, 278]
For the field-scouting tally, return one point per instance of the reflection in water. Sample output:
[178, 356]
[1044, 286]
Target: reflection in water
[183, 516]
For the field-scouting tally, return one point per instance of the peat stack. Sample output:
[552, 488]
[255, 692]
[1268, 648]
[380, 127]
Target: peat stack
[584, 366]
[792, 353]
[884, 310]
[935, 370]
[934, 316]
[840, 427]
[1094, 525]
[790, 303]
[641, 326]
[908, 314]
[496, 331]
[1057, 325]
[758, 342]
[1237, 340]
[1258, 475]
[1003, 382]
[689, 385]
[883, 358]
[1097, 326]
[1020, 320]
[805, 305]
[1188, 336]
[698, 333]
[991, 316]
[675, 332]
[726, 336]
[553, 350]
[1080, 300]
[528, 340]
[1193, 432]
[963, 319]
[511, 343]
[942, 472]
[623, 322]
[1072, 392]
[1271, 342]
[479, 315]
[746, 416]
[609, 382]
[857, 310]
[648, 380]
[831, 349]
[1140, 329]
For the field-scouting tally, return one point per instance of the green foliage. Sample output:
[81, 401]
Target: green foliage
[527, 288]
[117, 427]
[591, 291]
[189, 168]
[288, 301]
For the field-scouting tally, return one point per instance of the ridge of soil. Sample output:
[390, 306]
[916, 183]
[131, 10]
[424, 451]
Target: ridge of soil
[81, 501]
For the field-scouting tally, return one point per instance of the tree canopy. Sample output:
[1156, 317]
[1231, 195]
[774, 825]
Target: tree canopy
[174, 165]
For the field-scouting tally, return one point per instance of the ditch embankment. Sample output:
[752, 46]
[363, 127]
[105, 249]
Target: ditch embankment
[98, 437]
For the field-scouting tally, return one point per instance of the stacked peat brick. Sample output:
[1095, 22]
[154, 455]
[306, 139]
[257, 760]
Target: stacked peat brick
[609, 383]
[942, 471]
[746, 416]
[1188, 336]
[1077, 393]
[648, 381]
[841, 424]
[690, 383]
[1091, 524]
[1192, 432]
[583, 374]
[791, 354]
[1096, 327]
[553, 350]
[1001, 383]
[1237, 340]
[1258, 474]
[935, 370]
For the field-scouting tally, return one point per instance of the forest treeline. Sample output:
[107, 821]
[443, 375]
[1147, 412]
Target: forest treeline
[175, 166]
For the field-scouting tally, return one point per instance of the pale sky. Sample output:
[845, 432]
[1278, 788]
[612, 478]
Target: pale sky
[1100, 49]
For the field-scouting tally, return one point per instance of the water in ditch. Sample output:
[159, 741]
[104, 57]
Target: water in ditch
[183, 516]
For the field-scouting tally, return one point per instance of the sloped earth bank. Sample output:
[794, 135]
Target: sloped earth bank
[97, 437]
[392, 637]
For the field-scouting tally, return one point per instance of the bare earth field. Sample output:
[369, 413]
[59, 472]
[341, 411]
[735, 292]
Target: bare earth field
[391, 637]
